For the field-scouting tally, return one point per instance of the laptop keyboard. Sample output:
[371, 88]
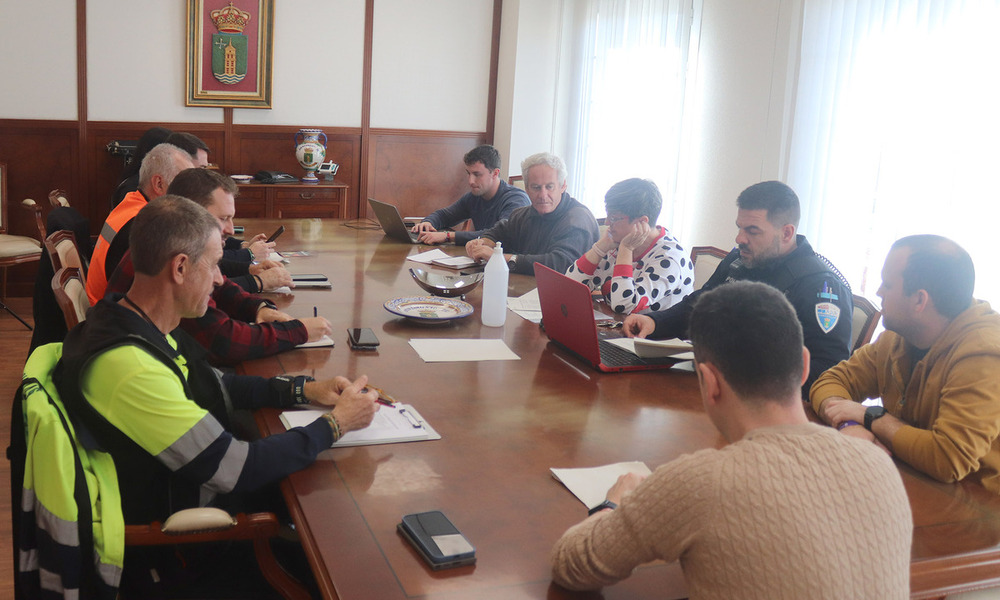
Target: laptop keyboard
[613, 356]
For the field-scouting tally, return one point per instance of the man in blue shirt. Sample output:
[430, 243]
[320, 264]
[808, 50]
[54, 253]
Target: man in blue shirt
[489, 200]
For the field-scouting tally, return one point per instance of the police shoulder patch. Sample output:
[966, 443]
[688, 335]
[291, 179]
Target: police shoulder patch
[827, 315]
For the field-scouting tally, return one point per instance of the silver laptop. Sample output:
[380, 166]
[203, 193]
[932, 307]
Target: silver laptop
[392, 224]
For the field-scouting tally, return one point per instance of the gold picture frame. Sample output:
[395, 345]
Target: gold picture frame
[229, 51]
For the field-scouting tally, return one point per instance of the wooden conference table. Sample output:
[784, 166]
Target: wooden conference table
[503, 425]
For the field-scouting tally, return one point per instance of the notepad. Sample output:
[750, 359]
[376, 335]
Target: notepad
[392, 424]
[591, 485]
[310, 280]
[455, 262]
[323, 342]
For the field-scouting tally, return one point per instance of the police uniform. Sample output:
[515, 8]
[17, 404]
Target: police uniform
[820, 295]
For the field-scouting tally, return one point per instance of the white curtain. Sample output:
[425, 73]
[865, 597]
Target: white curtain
[635, 56]
[896, 130]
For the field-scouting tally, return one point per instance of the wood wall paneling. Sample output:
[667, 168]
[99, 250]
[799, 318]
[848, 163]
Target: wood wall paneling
[419, 172]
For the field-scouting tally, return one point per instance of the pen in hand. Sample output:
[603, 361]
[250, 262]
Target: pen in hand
[315, 311]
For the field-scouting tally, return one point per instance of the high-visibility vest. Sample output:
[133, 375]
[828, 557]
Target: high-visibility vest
[72, 532]
[97, 278]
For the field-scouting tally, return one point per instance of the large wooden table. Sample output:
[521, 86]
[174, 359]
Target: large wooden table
[503, 425]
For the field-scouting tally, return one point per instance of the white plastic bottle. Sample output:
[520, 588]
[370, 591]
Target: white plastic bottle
[495, 289]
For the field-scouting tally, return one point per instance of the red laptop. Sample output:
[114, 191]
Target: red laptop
[568, 319]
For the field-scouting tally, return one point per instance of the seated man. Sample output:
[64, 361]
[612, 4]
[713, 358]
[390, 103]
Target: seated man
[490, 199]
[147, 396]
[554, 230]
[771, 252]
[236, 326]
[636, 264]
[158, 169]
[782, 488]
[936, 368]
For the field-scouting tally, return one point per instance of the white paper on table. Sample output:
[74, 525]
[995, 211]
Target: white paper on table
[527, 306]
[461, 350]
[397, 423]
[323, 342]
[672, 348]
[280, 290]
[591, 485]
[427, 257]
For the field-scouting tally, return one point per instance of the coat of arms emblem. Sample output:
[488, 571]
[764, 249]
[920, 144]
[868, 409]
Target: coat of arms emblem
[229, 46]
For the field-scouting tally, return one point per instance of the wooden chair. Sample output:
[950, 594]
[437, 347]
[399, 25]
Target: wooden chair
[71, 295]
[14, 249]
[705, 260]
[63, 252]
[864, 321]
[516, 181]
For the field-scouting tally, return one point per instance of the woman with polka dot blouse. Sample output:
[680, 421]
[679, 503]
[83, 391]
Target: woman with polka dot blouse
[639, 268]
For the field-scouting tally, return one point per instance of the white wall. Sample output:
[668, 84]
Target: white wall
[38, 67]
[430, 64]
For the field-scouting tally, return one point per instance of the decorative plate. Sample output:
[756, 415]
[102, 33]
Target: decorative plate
[428, 309]
[241, 178]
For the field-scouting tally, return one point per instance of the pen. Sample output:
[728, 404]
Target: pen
[315, 311]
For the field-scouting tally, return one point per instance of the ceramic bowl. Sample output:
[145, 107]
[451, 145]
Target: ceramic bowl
[448, 286]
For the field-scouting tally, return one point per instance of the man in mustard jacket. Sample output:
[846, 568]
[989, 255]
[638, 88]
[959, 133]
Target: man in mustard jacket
[936, 368]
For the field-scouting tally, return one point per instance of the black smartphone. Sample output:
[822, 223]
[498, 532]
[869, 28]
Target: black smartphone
[362, 338]
[280, 230]
[437, 540]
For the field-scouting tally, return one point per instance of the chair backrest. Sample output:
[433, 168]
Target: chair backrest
[63, 252]
[865, 320]
[36, 209]
[516, 181]
[71, 294]
[705, 260]
[58, 198]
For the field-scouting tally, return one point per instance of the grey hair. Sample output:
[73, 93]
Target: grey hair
[162, 161]
[547, 159]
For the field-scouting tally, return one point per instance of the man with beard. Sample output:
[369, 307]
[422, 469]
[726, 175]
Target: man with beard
[769, 251]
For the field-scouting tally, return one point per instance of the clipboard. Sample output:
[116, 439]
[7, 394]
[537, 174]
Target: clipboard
[391, 425]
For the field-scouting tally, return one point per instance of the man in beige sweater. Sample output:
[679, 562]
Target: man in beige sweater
[789, 509]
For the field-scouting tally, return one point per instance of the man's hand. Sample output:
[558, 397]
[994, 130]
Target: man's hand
[480, 249]
[639, 326]
[835, 410]
[317, 327]
[433, 237]
[275, 278]
[262, 249]
[260, 237]
[355, 408]
[859, 431]
[422, 227]
[637, 237]
[264, 265]
[624, 486]
[327, 392]
[267, 314]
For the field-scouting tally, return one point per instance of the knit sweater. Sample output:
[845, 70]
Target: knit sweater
[796, 511]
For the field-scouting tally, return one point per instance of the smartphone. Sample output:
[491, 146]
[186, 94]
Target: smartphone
[362, 338]
[280, 230]
[437, 540]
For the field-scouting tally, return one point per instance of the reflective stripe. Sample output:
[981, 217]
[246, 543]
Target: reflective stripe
[191, 444]
[53, 582]
[27, 560]
[60, 530]
[108, 233]
[228, 473]
[110, 574]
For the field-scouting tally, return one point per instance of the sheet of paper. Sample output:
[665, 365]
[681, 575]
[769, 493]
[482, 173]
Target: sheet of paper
[323, 342]
[527, 306]
[456, 262]
[427, 257]
[461, 350]
[591, 485]
[674, 348]
[399, 423]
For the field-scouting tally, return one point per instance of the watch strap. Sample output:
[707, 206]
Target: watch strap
[873, 413]
[602, 506]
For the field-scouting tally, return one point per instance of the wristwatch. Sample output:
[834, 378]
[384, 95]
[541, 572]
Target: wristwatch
[873, 412]
[512, 262]
[602, 506]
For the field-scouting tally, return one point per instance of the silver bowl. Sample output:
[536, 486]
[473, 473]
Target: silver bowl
[448, 286]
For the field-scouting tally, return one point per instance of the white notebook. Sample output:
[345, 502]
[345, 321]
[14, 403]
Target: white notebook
[392, 424]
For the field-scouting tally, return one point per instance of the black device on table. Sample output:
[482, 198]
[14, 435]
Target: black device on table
[280, 230]
[362, 338]
[437, 540]
[274, 177]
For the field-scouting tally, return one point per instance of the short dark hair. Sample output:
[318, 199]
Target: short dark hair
[940, 267]
[779, 200]
[198, 185]
[166, 227]
[635, 198]
[187, 142]
[750, 332]
[485, 154]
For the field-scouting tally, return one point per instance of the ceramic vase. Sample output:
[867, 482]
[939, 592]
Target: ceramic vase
[310, 152]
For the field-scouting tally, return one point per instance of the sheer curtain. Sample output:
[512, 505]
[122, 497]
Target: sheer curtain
[896, 130]
[634, 60]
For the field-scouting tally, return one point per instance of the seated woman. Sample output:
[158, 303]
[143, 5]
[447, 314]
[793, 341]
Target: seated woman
[638, 267]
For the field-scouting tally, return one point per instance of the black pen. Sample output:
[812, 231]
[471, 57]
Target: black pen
[315, 311]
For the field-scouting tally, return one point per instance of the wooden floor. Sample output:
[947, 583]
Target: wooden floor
[14, 340]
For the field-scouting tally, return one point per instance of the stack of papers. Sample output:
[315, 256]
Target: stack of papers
[672, 348]
[591, 485]
[392, 424]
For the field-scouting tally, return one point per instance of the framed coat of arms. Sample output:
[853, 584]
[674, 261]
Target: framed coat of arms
[229, 48]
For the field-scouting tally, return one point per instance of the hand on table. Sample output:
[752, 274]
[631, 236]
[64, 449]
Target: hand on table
[639, 326]
[355, 407]
[625, 485]
[275, 278]
[264, 265]
[317, 327]
[422, 227]
[433, 237]
[480, 249]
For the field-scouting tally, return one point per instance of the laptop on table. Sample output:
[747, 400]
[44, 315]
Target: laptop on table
[568, 318]
[392, 224]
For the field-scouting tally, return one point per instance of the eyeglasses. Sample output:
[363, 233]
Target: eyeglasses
[612, 220]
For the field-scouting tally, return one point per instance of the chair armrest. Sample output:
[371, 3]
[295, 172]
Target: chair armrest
[205, 526]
